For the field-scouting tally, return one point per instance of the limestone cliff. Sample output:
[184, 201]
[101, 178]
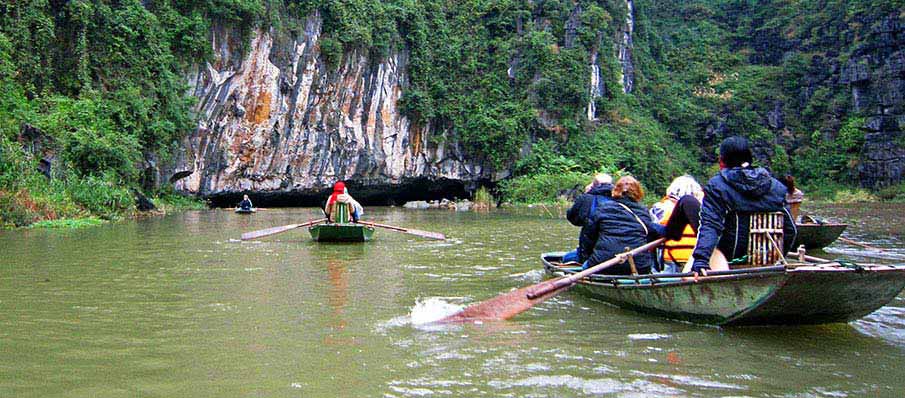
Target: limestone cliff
[278, 118]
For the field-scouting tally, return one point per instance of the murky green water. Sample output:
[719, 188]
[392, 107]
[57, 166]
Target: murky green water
[175, 307]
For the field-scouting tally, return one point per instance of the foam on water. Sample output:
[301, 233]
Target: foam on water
[433, 309]
[647, 336]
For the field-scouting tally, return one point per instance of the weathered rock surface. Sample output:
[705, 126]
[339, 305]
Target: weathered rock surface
[877, 80]
[277, 119]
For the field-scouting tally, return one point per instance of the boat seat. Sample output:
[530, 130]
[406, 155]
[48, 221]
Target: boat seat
[765, 240]
[340, 213]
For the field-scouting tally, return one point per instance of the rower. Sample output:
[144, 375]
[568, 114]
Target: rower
[730, 198]
[338, 204]
[245, 204]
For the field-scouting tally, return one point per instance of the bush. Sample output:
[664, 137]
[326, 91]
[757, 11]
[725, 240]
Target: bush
[541, 188]
[101, 195]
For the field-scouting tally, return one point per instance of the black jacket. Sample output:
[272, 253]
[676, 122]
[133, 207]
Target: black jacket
[245, 204]
[614, 228]
[579, 214]
[729, 199]
[580, 211]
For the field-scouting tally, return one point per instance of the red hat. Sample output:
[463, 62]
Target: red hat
[339, 187]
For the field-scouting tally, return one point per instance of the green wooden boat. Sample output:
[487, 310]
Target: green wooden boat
[341, 232]
[809, 293]
[817, 236]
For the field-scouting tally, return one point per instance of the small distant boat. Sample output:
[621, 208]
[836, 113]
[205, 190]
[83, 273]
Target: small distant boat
[817, 236]
[245, 211]
[346, 232]
[802, 293]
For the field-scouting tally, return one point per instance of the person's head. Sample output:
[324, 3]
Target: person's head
[681, 186]
[789, 182]
[735, 152]
[244, 197]
[599, 179]
[628, 187]
[339, 187]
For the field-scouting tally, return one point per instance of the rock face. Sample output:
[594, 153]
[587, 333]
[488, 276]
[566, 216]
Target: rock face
[876, 76]
[277, 118]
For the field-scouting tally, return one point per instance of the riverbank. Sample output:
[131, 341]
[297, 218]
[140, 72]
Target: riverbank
[24, 210]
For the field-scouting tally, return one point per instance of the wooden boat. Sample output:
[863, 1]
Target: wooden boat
[817, 236]
[802, 293]
[245, 211]
[345, 232]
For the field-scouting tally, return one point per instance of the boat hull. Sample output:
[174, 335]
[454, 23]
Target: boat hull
[341, 233]
[818, 236]
[804, 295]
[245, 211]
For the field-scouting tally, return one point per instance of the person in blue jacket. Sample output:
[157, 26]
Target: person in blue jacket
[621, 223]
[738, 190]
[584, 207]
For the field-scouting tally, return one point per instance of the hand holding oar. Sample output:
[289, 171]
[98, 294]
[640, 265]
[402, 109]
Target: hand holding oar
[508, 305]
[276, 230]
[416, 232]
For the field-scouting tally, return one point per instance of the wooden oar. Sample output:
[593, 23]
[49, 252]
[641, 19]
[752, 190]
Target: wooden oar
[856, 243]
[416, 232]
[510, 304]
[276, 230]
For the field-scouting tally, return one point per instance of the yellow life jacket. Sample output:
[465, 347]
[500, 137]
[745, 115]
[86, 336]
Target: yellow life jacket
[677, 251]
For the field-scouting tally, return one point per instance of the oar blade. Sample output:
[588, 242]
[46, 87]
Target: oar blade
[504, 306]
[276, 230]
[426, 234]
[269, 231]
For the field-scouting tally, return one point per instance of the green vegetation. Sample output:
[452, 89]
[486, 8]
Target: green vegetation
[100, 85]
[67, 223]
[483, 199]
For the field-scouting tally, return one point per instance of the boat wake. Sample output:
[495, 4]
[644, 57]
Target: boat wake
[887, 323]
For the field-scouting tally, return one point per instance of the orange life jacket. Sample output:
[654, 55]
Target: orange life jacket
[678, 251]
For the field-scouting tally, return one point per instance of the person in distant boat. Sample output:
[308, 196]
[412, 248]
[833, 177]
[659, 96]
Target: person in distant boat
[341, 195]
[622, 223]
[245, 204]
[679, 212]
[737, 191]
[794, 196]
[584, 207]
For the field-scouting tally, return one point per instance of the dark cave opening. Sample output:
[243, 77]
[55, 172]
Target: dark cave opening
[367, 194]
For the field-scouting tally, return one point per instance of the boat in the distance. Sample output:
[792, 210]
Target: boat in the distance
[793, 294]
[245, 211]
[817, 236]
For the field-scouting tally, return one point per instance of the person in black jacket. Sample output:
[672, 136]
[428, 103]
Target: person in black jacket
[583, 208]
[622, 223]
[245, 204]
[738, 190]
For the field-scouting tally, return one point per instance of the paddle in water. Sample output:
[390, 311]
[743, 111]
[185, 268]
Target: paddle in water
[510, 304]
[277, 230]
[416, 232]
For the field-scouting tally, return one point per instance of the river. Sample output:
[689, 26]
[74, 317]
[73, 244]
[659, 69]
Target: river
[175, 306]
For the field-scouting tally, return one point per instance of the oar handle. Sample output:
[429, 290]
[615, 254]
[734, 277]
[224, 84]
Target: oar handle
[572, 279]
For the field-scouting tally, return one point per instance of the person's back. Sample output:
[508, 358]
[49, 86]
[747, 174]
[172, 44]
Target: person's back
[582, 210]
[622, 223]
[730, 197]
[678, 212]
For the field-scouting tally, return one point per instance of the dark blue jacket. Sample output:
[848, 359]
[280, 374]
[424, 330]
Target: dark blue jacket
[580, 213]
[729, 199]
[245, 204]
[614, 228]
